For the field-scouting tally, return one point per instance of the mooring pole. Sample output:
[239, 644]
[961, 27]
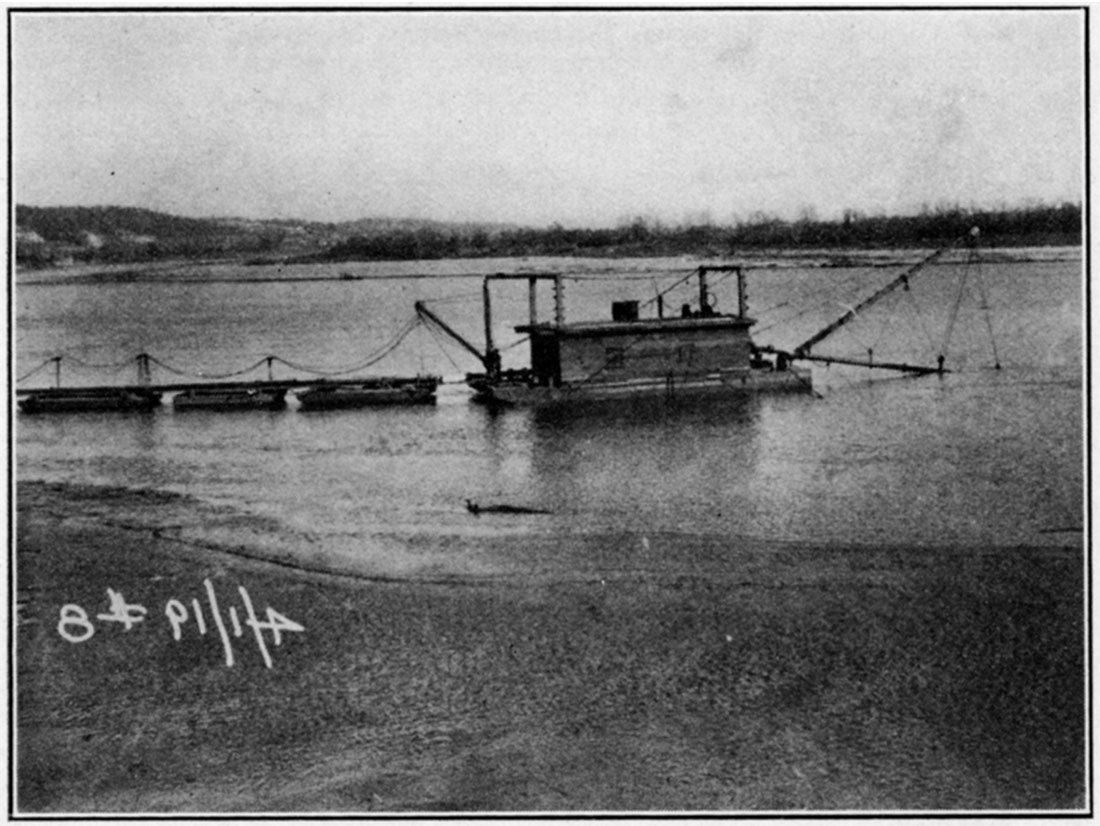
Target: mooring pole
[144, 377]
[488, 316]
[742, 298]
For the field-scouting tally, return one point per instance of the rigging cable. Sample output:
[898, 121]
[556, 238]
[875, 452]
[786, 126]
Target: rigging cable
[203, 375]
[435, 337]
[670, 289]
[954, 314]
[914, 307]
[822, 295]
[458, 297]
[371, 359]
[986, 311]
[37, 369]
[113, 367]
[826, 292]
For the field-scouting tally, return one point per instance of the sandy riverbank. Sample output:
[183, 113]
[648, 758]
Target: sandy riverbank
[760, 677]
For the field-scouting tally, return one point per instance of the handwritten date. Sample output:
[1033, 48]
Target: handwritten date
[75, 626]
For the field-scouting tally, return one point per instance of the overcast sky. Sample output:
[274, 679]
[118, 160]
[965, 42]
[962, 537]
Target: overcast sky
[536, 117]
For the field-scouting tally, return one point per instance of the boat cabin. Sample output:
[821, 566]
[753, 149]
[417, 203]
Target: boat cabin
[625, 350]
[693, 344]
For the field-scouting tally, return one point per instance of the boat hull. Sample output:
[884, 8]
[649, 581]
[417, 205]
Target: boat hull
[375, 394]
[725, 383]
[230, 400]
[75, 401]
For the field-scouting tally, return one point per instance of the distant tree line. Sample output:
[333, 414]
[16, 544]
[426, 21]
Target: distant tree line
[1030, 226]
[47, 235]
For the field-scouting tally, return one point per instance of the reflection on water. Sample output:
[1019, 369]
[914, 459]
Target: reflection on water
[648, 467]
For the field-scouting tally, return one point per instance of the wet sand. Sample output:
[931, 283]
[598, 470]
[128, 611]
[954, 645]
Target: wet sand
[749, 677]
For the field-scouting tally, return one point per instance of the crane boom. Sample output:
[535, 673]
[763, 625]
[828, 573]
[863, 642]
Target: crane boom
[427, 314]
[803, 349]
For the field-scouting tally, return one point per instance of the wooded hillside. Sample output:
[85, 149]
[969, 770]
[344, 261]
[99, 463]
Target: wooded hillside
[50, 235]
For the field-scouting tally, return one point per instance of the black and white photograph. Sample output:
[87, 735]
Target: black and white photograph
[592, 412]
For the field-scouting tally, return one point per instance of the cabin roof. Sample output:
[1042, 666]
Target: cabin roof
[596, 329]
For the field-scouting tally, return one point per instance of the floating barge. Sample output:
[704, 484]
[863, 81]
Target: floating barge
[91, 400]
[228, 398]
[260, 395]
[371, 393]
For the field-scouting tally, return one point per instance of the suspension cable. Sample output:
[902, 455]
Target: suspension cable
[204, 375]
[115, 366]
[37, 369]
[373, 358]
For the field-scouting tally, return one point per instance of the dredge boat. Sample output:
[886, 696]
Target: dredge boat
[698, 352]
[371, 392]
[76, 400]
[231, 398]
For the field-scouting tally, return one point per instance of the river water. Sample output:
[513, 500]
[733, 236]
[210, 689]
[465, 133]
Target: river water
[977, 456]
